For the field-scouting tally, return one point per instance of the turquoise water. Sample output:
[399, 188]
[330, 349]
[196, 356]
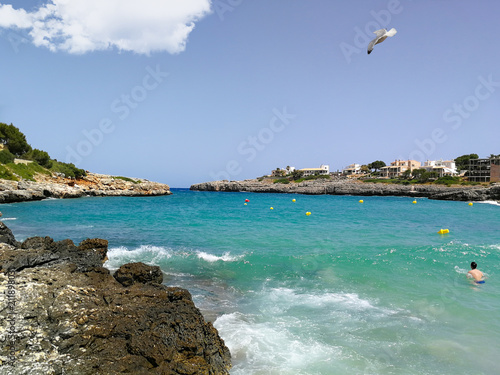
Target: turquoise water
[358, 288]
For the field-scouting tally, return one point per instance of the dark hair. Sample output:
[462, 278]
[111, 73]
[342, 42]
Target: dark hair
[473, 265]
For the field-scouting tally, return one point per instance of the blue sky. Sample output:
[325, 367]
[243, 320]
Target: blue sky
[187, 91]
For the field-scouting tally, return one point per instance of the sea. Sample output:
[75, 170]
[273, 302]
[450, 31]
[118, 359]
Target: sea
[360, 285]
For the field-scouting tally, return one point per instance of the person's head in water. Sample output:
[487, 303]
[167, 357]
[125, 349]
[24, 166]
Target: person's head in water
[473, 265]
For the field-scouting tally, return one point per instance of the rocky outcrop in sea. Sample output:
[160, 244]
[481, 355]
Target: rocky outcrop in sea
[91, 185]
[354, 187]
[62, 312]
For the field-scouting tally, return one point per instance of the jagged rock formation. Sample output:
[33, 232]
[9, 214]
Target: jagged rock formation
[350, 187]
[61, 312]
[91, 185]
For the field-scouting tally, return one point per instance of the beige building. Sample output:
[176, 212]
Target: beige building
[398, 167]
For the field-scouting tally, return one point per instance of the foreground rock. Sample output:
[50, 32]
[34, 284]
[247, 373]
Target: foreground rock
[61, 312]
[353, 187]
[91, 185]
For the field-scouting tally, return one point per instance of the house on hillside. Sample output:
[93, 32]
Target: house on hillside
[322, 170]
[398, 167]
[22, 161]
[352, 169]
[484, 170]
[278, 172]
[441, 167]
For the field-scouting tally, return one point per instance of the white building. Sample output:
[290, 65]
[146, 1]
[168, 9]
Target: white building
[441, 167]
[352, 169]
[322, 170]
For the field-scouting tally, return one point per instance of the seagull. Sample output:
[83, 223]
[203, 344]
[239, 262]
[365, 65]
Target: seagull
[382, 35]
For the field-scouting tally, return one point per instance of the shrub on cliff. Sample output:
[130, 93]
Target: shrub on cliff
[6, 157]
[68, 169]
[27, 171]
[6, 174]
[41, 157]
[281, 181]
[448, 180]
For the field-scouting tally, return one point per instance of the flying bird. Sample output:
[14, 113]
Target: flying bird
[382, 35]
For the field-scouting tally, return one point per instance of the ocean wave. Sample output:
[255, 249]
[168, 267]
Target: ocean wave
[264, 347]
[321, 300]
[145, 253]
[281, 300]
[226, 257]
[8, 218]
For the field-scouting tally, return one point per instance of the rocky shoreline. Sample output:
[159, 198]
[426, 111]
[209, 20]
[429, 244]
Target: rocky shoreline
[354, 187]
[62, 312]
[91, 185]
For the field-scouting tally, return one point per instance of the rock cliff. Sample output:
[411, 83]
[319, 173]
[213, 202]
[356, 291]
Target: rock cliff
[91, 185]
[353, 187]
[61, 312]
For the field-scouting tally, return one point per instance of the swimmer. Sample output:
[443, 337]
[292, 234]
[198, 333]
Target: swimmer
[476, 274]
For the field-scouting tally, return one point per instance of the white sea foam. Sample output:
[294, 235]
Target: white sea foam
[226, 257]
[145, 253]
[265, 347]
[8, 218]
[494, 203]
[289, 297]
[461, 271]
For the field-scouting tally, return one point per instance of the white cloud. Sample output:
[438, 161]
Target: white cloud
[80, 26]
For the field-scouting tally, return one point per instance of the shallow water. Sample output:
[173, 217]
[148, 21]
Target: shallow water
[359, 288]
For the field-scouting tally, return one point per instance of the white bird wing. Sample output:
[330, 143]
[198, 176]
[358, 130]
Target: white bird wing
[372, 44]
[391, 32]
[380, 32]
[382, 35]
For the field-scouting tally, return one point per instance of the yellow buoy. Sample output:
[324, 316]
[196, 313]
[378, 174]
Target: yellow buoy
[245, 204]
[414, 202]
[293, 200]
[308, 213]
[361, 201]
[443, 231]
[470, 203]
[272, 208]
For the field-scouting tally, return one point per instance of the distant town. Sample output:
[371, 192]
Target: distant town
[469, 167]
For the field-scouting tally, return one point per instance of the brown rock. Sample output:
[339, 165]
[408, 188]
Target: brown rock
[73, 317]
[132, 273]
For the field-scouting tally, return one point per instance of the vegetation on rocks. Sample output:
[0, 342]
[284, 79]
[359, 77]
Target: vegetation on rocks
[15, 146]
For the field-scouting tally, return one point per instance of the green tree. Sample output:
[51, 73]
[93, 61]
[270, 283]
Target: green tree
[296, 174]
[365, 168]
[377, 164]
[15, 141]
[418, 173]
[406, 174]
[427, 176]
[280, 172]
[462, 162]
[41, 157]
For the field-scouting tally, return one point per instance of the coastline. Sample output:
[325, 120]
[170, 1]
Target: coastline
[93, 184]
[353, 187]
[64, 312]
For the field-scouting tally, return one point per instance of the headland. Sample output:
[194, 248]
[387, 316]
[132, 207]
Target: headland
[92, 184]
[356, 187]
